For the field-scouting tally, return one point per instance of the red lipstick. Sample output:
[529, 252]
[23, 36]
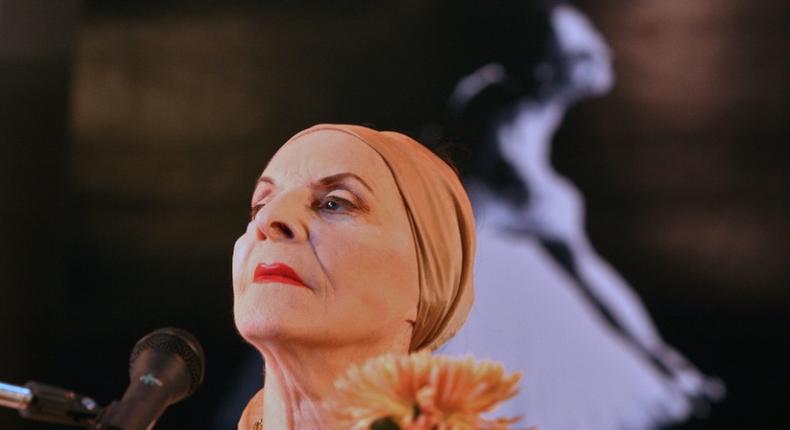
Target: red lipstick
[277, 272]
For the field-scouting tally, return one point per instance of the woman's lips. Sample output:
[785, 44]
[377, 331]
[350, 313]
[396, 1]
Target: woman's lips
[277, 272]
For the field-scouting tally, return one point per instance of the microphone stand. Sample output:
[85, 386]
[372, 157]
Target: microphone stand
[41, 402]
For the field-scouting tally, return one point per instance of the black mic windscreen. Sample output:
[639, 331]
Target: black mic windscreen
[175, 342]
[165, 367]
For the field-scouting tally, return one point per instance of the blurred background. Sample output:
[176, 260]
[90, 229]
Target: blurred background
[132, 133]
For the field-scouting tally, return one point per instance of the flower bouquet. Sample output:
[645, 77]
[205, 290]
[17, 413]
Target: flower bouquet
[422, 391]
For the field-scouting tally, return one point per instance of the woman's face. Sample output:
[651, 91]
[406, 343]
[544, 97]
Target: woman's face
[328, 207]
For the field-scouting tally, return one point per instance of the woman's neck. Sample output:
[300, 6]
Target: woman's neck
[298, 380]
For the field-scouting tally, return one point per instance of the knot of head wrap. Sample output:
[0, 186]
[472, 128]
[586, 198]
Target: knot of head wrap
[442, 226]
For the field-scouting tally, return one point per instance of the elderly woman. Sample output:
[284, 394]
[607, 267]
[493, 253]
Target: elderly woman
[360, 243]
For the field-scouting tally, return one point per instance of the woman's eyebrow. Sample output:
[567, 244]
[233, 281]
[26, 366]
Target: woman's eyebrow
[336, 179]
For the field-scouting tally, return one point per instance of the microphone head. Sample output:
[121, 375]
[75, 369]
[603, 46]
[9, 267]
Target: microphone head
[175, 342]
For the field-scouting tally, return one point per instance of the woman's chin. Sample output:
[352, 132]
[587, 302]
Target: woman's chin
[257, 324]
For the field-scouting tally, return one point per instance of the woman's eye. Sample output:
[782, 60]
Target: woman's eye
[335, 204]
[255, 209]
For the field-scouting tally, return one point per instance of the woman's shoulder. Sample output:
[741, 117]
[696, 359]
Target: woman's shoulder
[252, 417]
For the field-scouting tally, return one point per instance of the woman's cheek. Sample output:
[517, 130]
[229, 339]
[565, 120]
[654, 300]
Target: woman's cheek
[241, 250]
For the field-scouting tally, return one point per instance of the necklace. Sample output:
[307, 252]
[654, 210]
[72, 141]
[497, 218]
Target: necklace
[258, 425]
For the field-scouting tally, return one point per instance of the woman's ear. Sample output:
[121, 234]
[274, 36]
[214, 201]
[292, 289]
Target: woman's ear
[411, 319]
[411, 315]
[412, 322]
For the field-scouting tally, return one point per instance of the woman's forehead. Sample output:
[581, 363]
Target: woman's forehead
[322, 153]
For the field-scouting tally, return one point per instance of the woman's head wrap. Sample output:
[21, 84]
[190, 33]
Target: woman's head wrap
[442, 226]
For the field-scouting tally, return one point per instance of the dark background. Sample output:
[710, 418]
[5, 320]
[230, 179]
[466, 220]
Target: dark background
[132, 133]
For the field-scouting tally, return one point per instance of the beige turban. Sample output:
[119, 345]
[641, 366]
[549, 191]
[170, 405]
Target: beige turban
[442, 226]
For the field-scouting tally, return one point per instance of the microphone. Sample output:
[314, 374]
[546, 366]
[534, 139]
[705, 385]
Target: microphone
[165, 367]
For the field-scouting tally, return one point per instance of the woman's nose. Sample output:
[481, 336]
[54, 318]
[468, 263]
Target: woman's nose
[281, 219]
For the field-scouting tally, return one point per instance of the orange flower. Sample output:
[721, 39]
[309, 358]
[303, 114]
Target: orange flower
[422, 391]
